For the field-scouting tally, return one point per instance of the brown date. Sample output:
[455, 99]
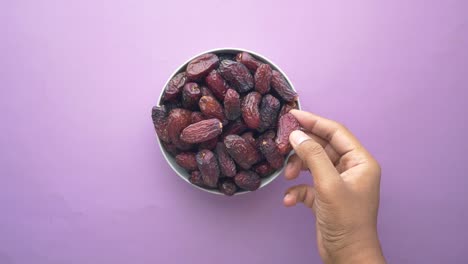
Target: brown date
[235, 127]
[226, 163]
[248, 136]
[177, 120]
[237, 75]
[202, 131]
[196, 179]
[263, 169]
[286, 108]
[197, 117]
[247, 180]
[282, 88]
[232, 108]
[286, 124]
[241, 151]
[205, 91]
[248, 60]
[187, 161]
[269, 109]
[227, 187]
[190, 95]
[217, 84]
[210, 107]
[174, 87]
[270, 151]
[159, 116]
[209, 144]
[250, 109]
[262, 78]
[201, 66]
[208, 166]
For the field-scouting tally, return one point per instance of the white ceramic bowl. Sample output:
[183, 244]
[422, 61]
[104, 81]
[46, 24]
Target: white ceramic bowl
[171, 160]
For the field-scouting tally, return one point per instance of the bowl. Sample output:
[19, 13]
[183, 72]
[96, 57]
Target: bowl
[181, 172]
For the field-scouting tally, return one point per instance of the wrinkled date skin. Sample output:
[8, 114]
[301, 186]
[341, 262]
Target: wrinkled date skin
[237, 75]
[269, 109]
[205, 91]
[174, 87]
[287, 124]
[187, 161]
[247, 180]
[201, 66]
[197, 117]
[202, 131]
[177, 120]
[248, 136]
[227, 187]
[208, 166]
[263, 78]
[196, 179]
[263, 169]
[248, 60]
[209, 144]
[217, 84]
[226, 163]
[241, 151]
[236, 127]
[210, 107]
[159, 116]
[232, 106]
[250, 109]
[190, 96]
[282, 88]
[270, 151]
[270, 134]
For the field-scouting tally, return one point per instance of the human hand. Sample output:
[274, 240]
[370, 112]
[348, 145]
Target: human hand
[345, 194]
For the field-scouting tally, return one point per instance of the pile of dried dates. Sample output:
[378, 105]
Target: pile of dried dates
[225, 120]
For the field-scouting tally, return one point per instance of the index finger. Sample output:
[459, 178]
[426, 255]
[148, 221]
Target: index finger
[340, 138]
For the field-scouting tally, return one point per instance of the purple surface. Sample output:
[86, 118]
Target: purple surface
[82, 178]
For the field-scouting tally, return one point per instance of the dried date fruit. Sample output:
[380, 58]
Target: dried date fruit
[248, 136]
[286, 108]
[270, 151]
[190, 95]
[197, 117]
[227, 166]
[177, 120]
[159, 116]
[234, 128]
[201, 66]
[187, 161]
[208, 166]
[248, 60]
[196, 179]
[286, 124]
[262, 78]
[210, 107]
[247, 180]
[232, 108]
[209, 144]
[269, 109]
[171, 148]
[227, 187]
[250, 109]
[237, 75]
[202, 131]
[174, 87]
[244, 154]
[282, 88]
[217, 84]
[263, 169]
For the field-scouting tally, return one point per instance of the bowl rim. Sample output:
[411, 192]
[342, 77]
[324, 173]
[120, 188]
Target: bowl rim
[167, 156]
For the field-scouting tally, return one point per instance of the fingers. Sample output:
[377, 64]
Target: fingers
[294, 167]
[316, 159]
[299, 194]
[338, 136]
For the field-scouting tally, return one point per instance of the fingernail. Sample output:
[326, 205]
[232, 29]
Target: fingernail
[286, 197]
[297, 137]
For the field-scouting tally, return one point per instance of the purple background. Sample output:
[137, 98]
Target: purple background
[82, 177]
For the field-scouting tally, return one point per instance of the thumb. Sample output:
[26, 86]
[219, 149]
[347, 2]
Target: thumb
[316, 159]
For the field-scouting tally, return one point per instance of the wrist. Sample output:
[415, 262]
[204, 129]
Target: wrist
[364, 248]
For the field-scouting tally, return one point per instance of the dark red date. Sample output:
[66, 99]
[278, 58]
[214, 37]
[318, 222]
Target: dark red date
[187, 161]
[247, 180]
[269, 109]
[287, 124]
[210, 107]
[241, 151]
[282, 87]
[174, 87]
[177, 120]
[248, 60]
[232, 107]
[263, 78]
[226, 163]
[208, 166]
[217, 84]
[202, 131]
[250, 109]
[201, 66]
[227, 187]
[237, 75]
